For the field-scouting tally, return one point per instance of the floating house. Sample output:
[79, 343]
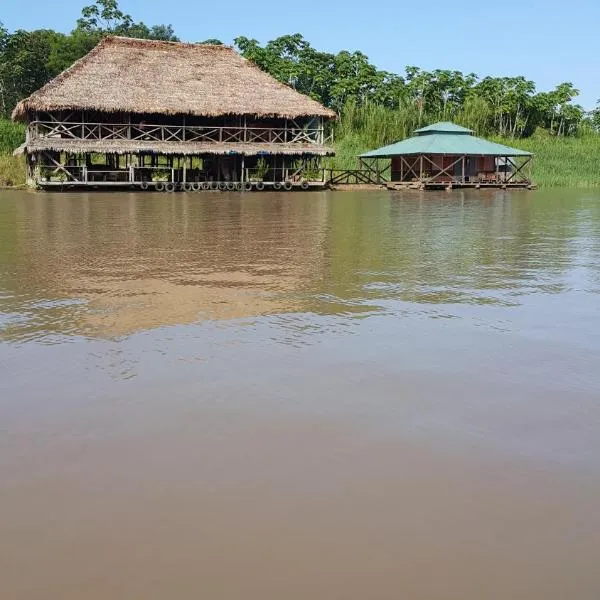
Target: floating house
[448, 155]
[165, 115]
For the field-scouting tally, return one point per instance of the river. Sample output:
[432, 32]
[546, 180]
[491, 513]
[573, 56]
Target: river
[310, 395]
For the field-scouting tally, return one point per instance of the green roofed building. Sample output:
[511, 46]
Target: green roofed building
[448, 155]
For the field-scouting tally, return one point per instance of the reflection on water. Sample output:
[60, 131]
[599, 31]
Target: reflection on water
[320, 395]
[106, 265]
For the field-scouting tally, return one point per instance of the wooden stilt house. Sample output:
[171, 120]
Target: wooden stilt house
[165, 115]
[448, 155]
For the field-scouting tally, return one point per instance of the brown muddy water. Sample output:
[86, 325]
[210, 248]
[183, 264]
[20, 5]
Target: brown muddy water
[330, 396]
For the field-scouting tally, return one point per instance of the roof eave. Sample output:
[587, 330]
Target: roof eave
[24, 106]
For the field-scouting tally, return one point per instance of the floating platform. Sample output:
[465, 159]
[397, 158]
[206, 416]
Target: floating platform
[422, 185]
[168, 186]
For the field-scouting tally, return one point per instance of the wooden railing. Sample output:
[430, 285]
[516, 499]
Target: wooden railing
[176, 133]
[355, 177]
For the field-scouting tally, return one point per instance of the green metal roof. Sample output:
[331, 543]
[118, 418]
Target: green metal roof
[444, 138]
[444, 127]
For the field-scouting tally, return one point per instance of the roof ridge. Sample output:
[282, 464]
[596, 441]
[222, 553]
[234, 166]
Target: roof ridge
[444, 127]
[131, 41]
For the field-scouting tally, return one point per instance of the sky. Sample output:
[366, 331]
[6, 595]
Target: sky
[545, 40]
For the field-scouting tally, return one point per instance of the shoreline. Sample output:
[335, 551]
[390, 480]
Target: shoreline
[558, 162]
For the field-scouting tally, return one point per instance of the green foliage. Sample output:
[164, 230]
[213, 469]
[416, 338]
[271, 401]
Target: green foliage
[259, 172]
[508, 106]
[12, 135]
[329, 78]
[558, 161]
[12, 170]
[563, 162]
[594, 119]
[105, 18]
[29, 59]
[161, 175]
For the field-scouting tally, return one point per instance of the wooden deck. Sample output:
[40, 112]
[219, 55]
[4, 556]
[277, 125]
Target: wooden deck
[436, 185]
[371, 178]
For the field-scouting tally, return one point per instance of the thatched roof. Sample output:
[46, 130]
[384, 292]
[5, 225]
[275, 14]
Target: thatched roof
[178, 148]
[147, 76]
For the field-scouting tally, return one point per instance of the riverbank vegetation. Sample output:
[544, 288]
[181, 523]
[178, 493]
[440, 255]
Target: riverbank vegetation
[12, 171]
[12, 168]
[376, 107]
[560, 161]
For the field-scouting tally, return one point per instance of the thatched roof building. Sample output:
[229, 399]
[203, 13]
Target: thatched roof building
[124, 75]
[132, 110]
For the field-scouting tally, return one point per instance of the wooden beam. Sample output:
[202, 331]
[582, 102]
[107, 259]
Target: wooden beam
[444, 171]
[519, 169]
[411, 168]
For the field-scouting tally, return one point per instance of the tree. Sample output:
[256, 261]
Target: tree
[345, 81]
[332, 79]
[595, 116]
[104, 15]
[105, 18]
[29, 59]
[23, 63]
[3, 43]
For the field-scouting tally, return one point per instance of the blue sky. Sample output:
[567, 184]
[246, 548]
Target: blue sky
[545, 40]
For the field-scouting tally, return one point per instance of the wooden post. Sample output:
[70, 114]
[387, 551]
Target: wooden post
[463, 169]
[243, 167]
[421, 168]
[183, 130]
[37, 170]
[184, 176]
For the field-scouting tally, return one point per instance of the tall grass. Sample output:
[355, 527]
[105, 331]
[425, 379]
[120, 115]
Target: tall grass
[564, 161]
[368, 126]
[12, 135]
[558, 161]
[12, 170]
